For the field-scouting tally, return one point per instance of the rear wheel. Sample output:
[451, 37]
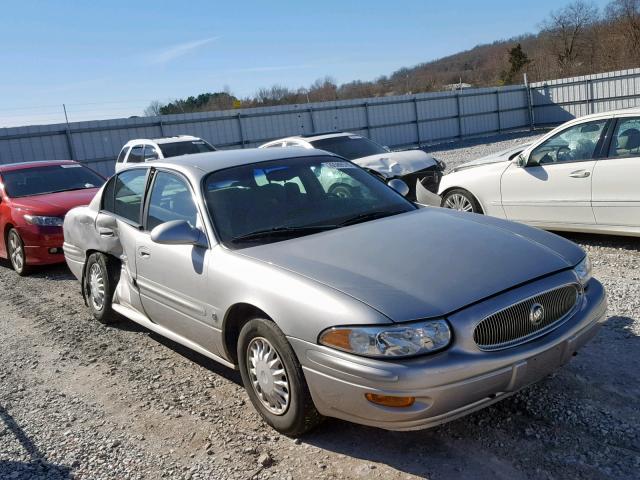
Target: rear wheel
[273, 378]
[101, 278]
[461, 200]
[16, 253]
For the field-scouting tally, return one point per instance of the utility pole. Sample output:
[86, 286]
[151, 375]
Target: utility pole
[72, 152]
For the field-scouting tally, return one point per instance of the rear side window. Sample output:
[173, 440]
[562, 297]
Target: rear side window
[128, 192]
[123, 153]
[150, 153]
[136, 155]
[626, 139]
[170, 200]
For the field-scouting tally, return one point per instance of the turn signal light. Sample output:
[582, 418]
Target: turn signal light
[389, 401]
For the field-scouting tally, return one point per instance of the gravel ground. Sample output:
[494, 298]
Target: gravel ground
[81, 400]
[456, 153]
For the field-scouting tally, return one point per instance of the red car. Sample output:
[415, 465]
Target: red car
[34, 198]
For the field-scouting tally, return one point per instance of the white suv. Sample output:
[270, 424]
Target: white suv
[143, 150]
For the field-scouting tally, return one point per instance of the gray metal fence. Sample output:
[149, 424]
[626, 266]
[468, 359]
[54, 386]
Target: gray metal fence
[397, 121]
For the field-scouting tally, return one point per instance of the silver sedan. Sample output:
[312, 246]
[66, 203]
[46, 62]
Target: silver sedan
[366, 308]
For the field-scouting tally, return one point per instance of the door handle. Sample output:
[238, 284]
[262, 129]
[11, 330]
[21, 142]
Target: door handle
[105, 232]
[144, 253]
[580, 174]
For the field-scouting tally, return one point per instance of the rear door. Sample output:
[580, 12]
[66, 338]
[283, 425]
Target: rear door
[120, 220]
[616, 178]
[555, 186]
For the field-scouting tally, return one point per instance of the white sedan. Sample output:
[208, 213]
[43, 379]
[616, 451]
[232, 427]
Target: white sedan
[582, 176]
[419, 170]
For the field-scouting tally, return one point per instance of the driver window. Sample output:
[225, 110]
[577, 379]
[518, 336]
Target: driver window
[171, 199]
[574, 144]
[626, 139]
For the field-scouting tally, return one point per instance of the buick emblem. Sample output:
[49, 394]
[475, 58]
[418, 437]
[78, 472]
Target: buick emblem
[536, 314]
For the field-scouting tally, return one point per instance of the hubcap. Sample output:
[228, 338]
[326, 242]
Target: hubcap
[457, 201]
[96, 286]
[268, 376]
[16, 252]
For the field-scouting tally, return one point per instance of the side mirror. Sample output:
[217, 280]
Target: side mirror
[521, 161]
[399, 186]
[178, 232]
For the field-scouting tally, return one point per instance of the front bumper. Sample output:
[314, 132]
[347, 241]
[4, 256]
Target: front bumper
[42, 245]
[447, 385]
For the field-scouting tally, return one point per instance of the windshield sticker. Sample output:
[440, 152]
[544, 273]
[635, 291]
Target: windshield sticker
[338, 165]
[71, 166]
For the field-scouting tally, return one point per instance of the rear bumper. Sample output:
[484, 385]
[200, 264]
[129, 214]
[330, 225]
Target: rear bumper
[447, 385]
[42, 245]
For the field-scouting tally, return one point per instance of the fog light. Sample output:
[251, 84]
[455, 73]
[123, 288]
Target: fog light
[54, 251]
[389, 401]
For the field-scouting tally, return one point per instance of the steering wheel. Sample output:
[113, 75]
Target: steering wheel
[563, 154]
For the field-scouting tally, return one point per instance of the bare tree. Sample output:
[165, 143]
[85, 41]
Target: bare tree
[154, 109]
[625, 14]
[566, 31]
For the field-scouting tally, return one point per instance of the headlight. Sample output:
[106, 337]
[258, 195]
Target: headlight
[388, 341]
[44, 221]
[583, 271]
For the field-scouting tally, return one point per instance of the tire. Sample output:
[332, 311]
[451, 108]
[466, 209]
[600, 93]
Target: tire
[16, 253]
[461, 200]
[101, 278]
[261, 339]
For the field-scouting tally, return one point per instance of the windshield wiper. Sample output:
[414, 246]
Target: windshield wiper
[365, 217]
[281, 232]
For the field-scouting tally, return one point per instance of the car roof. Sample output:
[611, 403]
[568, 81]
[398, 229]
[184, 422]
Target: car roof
[611, 113]
[163, 140]
[312, 137]
[206, 162]
[8, 167]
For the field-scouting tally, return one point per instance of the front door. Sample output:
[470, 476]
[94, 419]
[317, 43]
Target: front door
[555, 186]
[172, 279]
[616, 178]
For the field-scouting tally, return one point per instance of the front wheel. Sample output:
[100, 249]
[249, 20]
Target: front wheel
[461, 200]
[273, 378]
[16, 253]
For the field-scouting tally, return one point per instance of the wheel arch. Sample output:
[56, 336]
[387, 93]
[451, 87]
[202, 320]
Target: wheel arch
[236, 317]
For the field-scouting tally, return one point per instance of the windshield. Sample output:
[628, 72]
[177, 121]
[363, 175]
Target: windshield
[49, 179]
[276, 200]
[349, 147]
[185, 148]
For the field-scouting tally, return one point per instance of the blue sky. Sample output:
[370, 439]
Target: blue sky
[108, 59]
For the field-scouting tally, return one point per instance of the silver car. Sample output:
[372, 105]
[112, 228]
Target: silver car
[365, 308]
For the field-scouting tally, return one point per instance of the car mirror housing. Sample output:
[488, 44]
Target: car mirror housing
[399, 186]
[178, 232]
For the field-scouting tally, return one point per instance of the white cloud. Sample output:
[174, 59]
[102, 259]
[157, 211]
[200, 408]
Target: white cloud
[177, 51]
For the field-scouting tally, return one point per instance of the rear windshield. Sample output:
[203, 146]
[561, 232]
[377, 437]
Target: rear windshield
[49, 179]
[185, 148]
[349, 147]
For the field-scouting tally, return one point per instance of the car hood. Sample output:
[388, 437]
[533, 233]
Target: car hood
[55, 204]
[395, 164]
[502, 156]
[425, 263]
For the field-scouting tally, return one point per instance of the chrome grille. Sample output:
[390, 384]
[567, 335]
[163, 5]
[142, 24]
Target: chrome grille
[514, 325]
